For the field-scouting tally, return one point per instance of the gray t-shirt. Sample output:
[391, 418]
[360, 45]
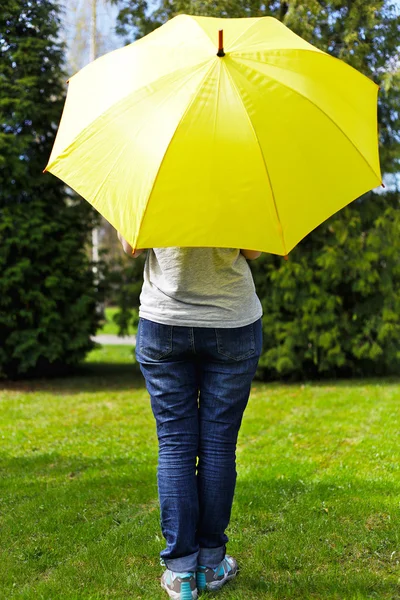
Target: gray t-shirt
[198, 287]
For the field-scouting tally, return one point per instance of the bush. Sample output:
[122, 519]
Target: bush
[334, 307]
[124, 284]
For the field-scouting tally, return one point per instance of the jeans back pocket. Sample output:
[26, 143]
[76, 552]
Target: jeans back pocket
[236, 343]
[154, 340]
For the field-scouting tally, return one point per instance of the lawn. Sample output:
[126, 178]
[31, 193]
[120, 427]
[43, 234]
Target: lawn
[316, 510]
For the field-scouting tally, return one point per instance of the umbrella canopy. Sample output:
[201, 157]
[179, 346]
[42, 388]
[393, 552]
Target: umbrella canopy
[185, 139]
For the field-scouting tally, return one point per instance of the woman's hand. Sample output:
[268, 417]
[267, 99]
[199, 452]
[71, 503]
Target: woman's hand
[250, 254]
[128, 248]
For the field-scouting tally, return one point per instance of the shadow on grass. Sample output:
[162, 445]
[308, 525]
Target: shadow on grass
[88, 377]
[376, 381]
[94, 377]
[320, 585]
[36, 476]
[115, 368]
[385, 381]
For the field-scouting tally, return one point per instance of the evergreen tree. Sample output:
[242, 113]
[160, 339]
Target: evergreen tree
[47, 294]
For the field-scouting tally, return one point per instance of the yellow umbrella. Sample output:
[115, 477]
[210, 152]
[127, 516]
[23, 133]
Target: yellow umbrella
[247, 138]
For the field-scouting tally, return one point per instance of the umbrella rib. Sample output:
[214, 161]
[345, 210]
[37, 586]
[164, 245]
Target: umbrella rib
[245, 31]
[316, 51]
[280, 228]
[168, 146]
[212, 42]
[318, 108]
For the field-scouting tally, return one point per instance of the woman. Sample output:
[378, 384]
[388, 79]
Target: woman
[198, 343]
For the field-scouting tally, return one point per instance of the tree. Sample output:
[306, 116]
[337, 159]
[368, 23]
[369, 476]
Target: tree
[88, 28]
[334, 307]
[47, 295]
[80, 19]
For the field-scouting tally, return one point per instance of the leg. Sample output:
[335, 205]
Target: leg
[164, 355]
[224, 391]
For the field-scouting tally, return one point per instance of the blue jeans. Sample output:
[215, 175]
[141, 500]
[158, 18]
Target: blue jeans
[199, 381]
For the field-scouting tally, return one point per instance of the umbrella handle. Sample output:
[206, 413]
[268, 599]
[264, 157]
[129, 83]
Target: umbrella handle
[221, 43]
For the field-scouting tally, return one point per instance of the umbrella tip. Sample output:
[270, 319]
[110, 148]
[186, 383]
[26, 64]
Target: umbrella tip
[286, 257]
[221, 43]
[383, 185]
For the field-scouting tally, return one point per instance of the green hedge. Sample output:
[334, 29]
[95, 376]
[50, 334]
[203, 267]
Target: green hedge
[334, 307]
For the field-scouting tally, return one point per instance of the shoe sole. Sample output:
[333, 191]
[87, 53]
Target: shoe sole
[185, 594]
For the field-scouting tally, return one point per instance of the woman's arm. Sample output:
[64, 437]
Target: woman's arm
[128, 248]
[250, 254]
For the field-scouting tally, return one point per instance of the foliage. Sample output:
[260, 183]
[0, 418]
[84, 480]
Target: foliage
[47, 292]
[333, 307]
[109, 325]
[125, 280]
[124, 277]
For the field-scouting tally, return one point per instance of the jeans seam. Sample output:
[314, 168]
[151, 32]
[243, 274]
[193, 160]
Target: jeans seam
[191, 338]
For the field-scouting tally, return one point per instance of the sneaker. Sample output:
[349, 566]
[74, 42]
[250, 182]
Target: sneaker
[213, 579]
[179, 586]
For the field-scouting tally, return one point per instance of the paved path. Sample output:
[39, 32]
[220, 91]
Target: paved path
[115, 340]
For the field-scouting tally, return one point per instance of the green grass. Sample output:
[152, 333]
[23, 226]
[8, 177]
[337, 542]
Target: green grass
[106, 356]
[109, 326]
[315, 515]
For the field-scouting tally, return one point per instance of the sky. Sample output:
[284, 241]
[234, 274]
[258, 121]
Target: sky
[77, 39]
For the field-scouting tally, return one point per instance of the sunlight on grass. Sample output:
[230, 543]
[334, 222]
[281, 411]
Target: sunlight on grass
[316, 510]
[111, 354]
